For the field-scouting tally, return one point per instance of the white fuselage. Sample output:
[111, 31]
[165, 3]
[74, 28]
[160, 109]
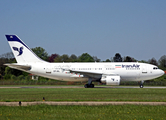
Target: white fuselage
[82, 71]
[110, 73]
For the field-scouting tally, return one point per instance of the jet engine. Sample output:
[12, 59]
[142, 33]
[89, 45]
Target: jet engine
[110, 80]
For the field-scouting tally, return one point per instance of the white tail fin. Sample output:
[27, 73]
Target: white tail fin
[21, 51]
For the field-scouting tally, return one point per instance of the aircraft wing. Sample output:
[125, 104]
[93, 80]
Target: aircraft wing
[19, 67]
[91, 74]
[85, 72]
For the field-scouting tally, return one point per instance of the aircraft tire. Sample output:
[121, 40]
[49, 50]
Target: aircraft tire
[86, 85]
[91, 85]
[141, 86]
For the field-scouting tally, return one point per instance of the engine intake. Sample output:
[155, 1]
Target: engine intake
[110, 80]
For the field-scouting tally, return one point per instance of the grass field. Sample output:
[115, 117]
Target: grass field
[82, 94]
[113, 112]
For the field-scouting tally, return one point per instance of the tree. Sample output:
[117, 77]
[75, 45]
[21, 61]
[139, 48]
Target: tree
[73, 58]
[129, 59]
[52, 57]
[40, 52]
[108, 60]
[96, 59]
[85, 57]
[63, 58]
[8, 55]
[8, 72]
[143, 61]
[153, 61]
[117, 58]
[5, 58]
[162, 62]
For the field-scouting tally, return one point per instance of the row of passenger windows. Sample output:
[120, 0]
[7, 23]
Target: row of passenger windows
[110, 68]
[86, 68]
[91, 68]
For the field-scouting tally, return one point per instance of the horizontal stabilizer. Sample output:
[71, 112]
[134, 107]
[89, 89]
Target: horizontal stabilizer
[19, 67]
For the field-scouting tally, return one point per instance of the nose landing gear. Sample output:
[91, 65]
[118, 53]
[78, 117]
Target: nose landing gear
[141, 84]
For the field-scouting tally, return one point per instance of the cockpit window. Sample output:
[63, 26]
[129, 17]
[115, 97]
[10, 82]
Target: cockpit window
[155, 68]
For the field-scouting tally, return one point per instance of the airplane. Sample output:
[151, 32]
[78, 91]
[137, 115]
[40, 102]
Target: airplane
[109, 73]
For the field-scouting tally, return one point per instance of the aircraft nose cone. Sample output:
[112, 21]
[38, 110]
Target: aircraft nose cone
[163, 72]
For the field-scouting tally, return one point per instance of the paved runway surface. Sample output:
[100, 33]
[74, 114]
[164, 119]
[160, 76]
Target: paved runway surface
[156, 87]
[79, 103]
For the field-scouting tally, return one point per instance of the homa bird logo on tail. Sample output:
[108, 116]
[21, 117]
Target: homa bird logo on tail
[20, 50]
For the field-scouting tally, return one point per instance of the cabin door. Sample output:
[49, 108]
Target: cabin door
[144, 69]
[48, 69]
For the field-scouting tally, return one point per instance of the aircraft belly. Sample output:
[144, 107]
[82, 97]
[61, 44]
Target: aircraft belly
[131, 76]
[60, 76]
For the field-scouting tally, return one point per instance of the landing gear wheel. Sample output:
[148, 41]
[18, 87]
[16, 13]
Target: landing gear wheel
[86, 85]
[141, 86]
[89, 86]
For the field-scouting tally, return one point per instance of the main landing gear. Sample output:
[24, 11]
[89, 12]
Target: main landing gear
[141, 84]
[89, 85]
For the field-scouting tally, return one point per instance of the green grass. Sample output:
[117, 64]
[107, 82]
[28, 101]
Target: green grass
[113, 112]
[82, 94]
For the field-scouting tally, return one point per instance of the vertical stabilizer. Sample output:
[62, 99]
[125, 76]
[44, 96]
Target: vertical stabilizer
[21, 51]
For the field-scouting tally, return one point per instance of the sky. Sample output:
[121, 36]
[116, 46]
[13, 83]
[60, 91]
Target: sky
[102, 28]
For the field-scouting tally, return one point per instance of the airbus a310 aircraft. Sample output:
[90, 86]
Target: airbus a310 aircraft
[110, 73]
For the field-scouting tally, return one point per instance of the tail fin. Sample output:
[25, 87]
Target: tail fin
[21, 51]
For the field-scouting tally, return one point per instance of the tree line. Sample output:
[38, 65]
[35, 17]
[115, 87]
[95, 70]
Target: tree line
[7, 73]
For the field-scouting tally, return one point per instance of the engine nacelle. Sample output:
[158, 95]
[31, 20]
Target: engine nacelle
[110, 80]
